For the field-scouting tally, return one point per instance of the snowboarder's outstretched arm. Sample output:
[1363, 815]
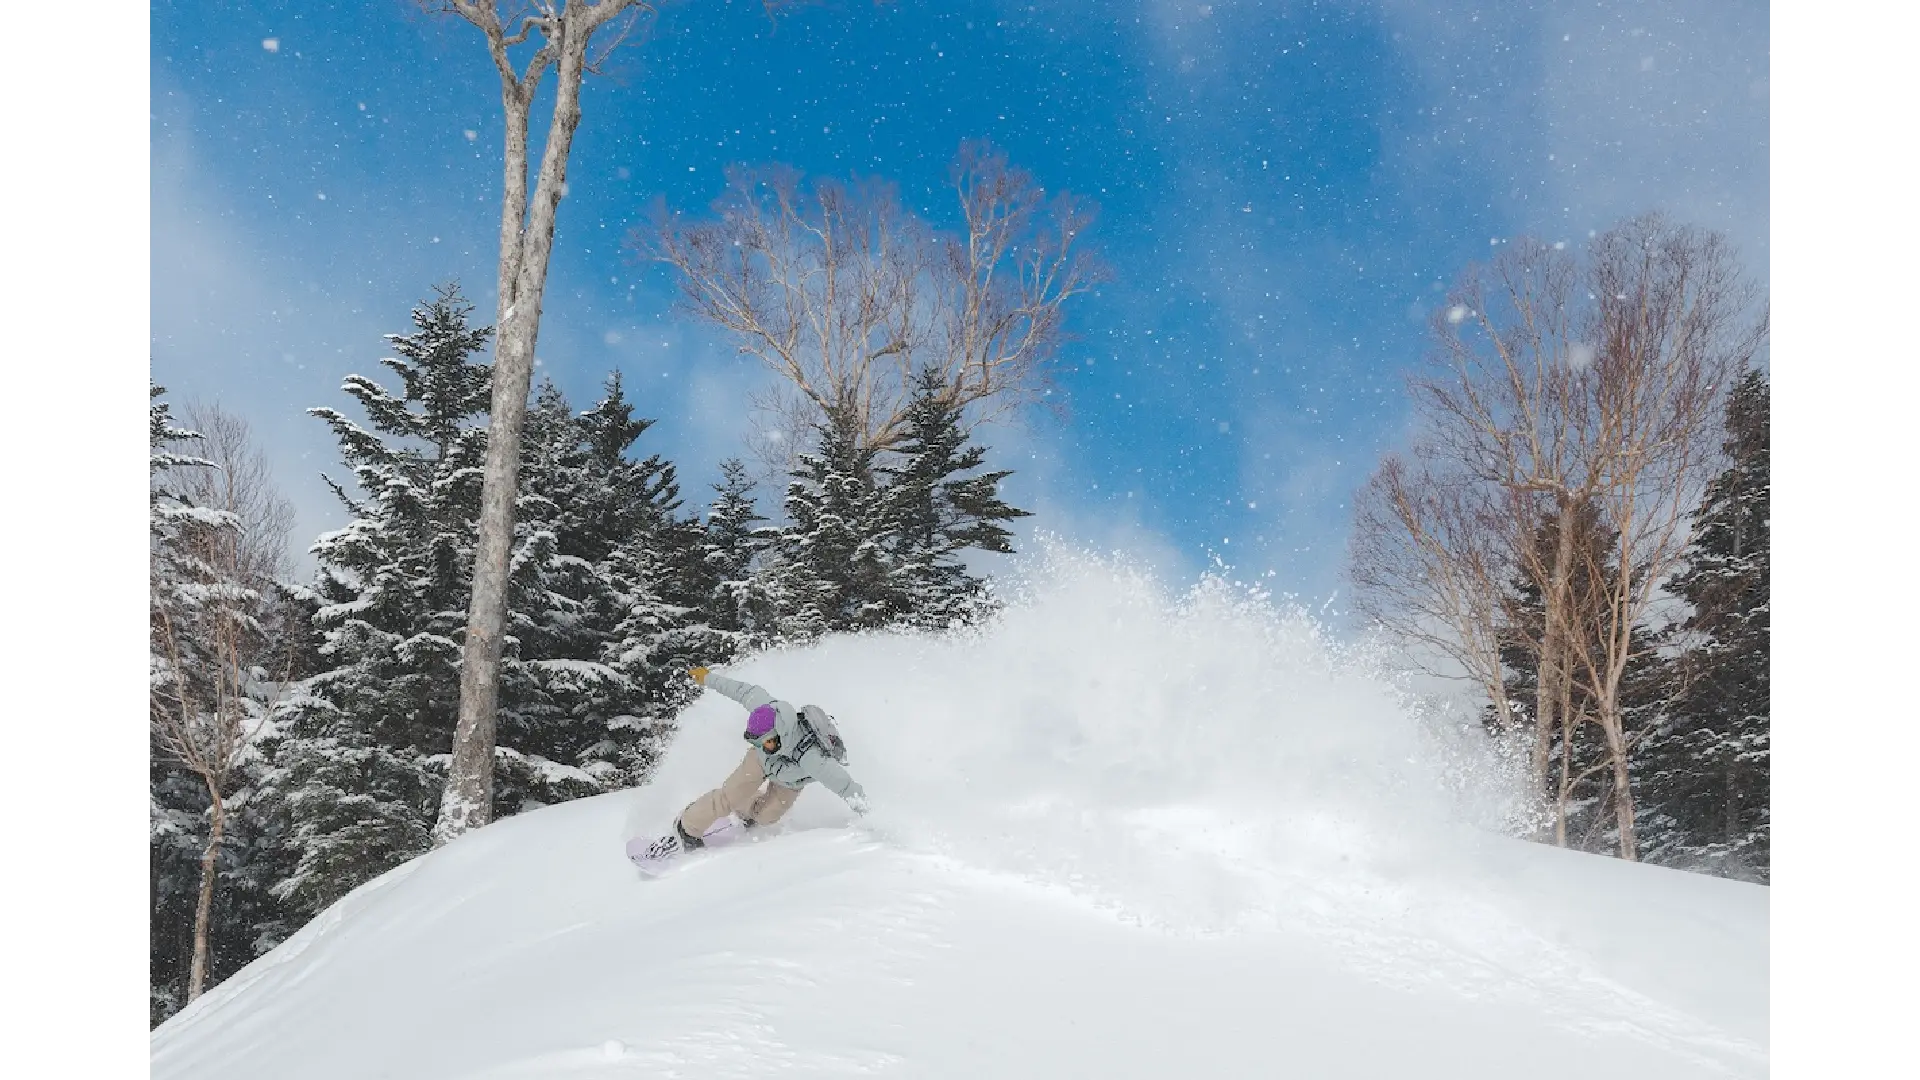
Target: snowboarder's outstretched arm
[745, 693]
[835, 777]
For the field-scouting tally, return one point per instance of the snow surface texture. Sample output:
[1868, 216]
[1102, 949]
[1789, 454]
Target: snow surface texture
[1119, 833]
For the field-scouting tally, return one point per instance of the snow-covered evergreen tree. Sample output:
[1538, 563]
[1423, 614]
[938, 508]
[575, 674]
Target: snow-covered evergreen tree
[550, 676]
[937, 512]
[834, 565]
[877, 538]
[596, 635]
[357, 772]
[1708, 768]
[652, 549]
[590, 689]
[735, 602]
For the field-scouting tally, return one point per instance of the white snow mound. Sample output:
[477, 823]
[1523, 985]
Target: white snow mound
[1118, 833]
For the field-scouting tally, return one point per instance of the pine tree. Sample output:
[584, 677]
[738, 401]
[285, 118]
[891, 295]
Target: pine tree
[935, 513]
[591, 671]
[594, 678]
[551, 680]
[652, 555]
[878, 538]
[835, 559]
[358, 771]
[1708, 764]
[733, 598]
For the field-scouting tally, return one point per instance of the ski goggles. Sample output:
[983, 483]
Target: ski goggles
[770, 742]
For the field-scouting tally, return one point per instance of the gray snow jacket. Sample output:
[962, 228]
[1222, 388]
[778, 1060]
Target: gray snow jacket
[798, 763]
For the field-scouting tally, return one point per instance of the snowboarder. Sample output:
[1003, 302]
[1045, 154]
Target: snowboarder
[785, 753]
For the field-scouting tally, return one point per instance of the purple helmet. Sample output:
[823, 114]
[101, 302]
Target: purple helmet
[760, 722]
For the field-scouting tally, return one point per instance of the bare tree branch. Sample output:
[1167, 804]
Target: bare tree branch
[846, 296]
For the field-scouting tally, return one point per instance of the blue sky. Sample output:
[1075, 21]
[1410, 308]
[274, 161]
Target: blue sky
[1284, 188]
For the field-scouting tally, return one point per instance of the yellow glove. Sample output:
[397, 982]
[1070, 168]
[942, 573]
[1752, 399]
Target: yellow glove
[699, 675]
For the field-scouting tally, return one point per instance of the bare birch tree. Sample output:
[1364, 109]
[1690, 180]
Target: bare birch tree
[847, 296]
[561, 32]
[1500, 432]
[1427, 557]
[1559, 396]
[1672, 327]
[218, 552]
[1584, 598]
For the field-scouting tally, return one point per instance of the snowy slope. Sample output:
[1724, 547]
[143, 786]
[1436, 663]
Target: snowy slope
[1121, 834]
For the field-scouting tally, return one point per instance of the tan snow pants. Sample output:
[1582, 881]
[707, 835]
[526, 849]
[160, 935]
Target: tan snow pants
[740, 795]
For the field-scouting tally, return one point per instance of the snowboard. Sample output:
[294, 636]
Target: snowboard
[655, 857]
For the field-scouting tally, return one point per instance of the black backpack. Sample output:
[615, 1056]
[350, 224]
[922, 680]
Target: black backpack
[820, 730]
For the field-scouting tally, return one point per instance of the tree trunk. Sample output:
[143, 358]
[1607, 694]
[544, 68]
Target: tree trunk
[1733, 803]
[1542, 728]
[1733, 758]
[468, 800]
[1615, 727]
[513, 203]
[1566, 782]
[146, 631]
[1545, 710]
[203, 914]
[1553, 695]
[152, 900]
